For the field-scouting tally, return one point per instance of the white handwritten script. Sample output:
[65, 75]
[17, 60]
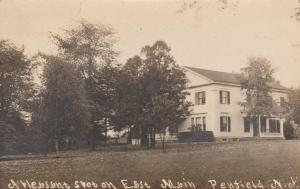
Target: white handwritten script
[290, 183]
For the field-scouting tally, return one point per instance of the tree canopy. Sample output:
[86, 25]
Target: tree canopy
[256, 81]
[62, 112]
[15, 80]
[91, 48]
[154, 85]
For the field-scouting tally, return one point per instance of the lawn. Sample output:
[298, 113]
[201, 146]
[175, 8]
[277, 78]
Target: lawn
[260, 161]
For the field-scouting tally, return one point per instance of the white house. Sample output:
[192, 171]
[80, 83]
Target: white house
[216, 96]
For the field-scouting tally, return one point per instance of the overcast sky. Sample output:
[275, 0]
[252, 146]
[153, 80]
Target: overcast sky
[209, 37]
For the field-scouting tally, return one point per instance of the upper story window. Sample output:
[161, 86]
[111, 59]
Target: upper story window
[224, 97]
[225, 124]
[200, 98]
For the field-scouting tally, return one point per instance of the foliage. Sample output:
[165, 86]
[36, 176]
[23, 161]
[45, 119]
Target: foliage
[202, 136]
[289, 130]
[128, 99]
[256, 81]
[294, 105]
[15, 81]
[197, 5]
[163, 86]
[16, 89]
[62, 108]
[91, 48]
[88, 45]
[155, 96]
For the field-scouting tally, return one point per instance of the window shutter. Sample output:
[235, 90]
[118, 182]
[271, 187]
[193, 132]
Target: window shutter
[221, 123]
[229, 124]
[246, 125]
[220, 97]
[228, 96]
[204, 97]
[204, 123]
[196, 99]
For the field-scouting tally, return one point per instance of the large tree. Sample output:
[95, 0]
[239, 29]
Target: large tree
[256, 82]
[158, 86]
[62, 108]
[91, 48]
[16, 89]
[163, 86]
[128, 99]
[294, 105]
[15, 81]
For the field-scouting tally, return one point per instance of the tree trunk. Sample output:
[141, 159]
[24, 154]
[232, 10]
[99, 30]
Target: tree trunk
[92, 141]
[105, 131]
[152, 137]
[144, 137]
[56, 147]
[163, 143]
[129, 137]
[45, 147]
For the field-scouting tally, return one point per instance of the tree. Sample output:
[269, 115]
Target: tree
[15, 81]
[104, 96]
[197, 5]
[294, 105]
[164, 84]
[256, 81]
[161, 92]
[91, 48]
[128, 99]
[16, 88]
[62, 109]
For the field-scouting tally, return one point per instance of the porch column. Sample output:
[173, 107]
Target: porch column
[281, 127]
[258, 134]
[267, 126]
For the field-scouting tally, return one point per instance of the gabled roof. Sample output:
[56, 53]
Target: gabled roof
[225, 77]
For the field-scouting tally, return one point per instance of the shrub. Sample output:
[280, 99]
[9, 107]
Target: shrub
[201, 136]
[289, 131]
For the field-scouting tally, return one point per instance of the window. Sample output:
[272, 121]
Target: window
[246, 124]
[225, 124]
[282, 101]
[224, 97]
[274, 126]
[198, 124]
[263, 124]
[200, 98]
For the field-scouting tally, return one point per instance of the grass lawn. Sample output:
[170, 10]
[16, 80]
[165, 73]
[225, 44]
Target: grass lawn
[225, 162]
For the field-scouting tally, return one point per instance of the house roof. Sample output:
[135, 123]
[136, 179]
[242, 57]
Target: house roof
[225, 77]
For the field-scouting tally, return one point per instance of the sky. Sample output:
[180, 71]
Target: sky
[205, 36]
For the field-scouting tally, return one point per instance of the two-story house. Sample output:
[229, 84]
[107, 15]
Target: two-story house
[216, 96]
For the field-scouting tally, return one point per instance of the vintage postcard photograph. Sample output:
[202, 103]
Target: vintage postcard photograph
[149, 94]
